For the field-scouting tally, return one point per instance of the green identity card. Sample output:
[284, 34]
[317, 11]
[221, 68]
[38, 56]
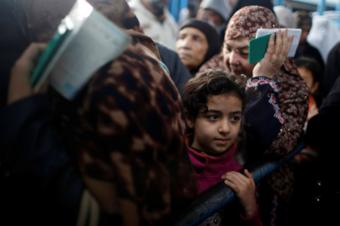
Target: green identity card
[258, 48]
[47, 56]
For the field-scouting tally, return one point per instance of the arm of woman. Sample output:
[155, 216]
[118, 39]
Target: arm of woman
[19, 86]
[291, 93]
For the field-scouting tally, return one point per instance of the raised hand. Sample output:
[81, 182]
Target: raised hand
[19, 86]
[276, 55]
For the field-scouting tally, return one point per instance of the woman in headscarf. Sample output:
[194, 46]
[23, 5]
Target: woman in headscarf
[124, 135]
[267, 141]
[197, 42]
[127, 133]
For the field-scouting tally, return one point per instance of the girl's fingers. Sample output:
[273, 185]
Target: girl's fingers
[248, 174]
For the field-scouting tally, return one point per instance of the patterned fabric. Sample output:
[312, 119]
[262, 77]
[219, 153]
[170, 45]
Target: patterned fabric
[126, 130]
[245, 22]
[254, 83]
[216, 63]
[292, 95]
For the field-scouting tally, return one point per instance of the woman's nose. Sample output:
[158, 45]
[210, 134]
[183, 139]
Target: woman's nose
[233, 58]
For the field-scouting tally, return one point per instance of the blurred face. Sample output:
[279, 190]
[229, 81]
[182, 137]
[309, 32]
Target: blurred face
[191, 47]
[217, 128]
[304, 35]
[235, 56]
[155, 6]
[210, 17]
[309, 79]
[232, 3]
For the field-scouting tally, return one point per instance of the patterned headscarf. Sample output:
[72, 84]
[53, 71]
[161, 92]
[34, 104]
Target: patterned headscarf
[126, 128]
[245, 22]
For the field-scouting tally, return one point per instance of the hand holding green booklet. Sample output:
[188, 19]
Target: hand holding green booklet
[258, 45]
[258, 48]
[84, 42]
[38, 76]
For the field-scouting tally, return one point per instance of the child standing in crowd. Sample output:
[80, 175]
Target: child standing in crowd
[214, 109]
[310, 70]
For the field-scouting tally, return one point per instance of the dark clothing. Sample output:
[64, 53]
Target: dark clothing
[322, 134]
[178, 72]
[307, 50]
[39, 184]
[13, 41]
[332, 70]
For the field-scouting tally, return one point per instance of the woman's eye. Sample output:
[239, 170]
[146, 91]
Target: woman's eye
[180, 37]
[195, 38]
[227, 48]
[242, 53]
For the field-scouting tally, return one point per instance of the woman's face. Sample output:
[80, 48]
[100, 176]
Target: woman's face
[235, 56]
[210, 17]
[191, 46]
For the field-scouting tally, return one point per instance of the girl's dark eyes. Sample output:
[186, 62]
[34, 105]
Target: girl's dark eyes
[212, 117]
[235, 119]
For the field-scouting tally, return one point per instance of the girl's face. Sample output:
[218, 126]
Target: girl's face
[217, 128]
[309, 79]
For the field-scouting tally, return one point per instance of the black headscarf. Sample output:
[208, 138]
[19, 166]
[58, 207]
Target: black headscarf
[210, 34]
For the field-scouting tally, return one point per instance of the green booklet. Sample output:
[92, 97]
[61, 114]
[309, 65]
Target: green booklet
[85, 41]
[38, 75]
[258, 48]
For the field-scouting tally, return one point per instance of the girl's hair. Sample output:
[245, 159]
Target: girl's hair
[209, 83]
[312, 65]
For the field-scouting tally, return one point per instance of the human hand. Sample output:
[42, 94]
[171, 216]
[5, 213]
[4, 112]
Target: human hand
[276, 55]
[308, 154]
[19, 85]
[244, 187]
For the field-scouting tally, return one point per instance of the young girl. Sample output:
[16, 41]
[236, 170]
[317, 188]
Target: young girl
[214, 109]
[311, 71]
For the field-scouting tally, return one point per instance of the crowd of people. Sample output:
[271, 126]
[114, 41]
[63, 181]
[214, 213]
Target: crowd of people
[178, 112]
